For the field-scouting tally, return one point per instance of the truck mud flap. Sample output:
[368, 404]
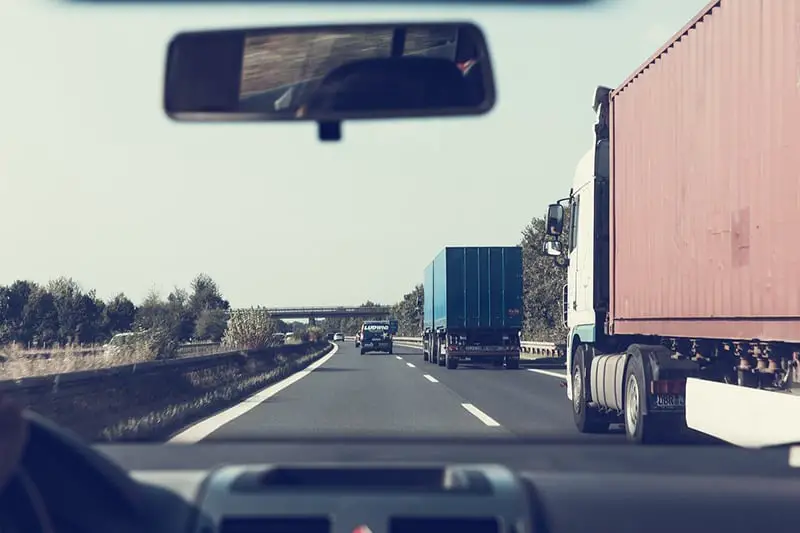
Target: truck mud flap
[660, 367]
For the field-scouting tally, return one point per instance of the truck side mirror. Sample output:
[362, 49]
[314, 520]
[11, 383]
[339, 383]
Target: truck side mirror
[554, 220]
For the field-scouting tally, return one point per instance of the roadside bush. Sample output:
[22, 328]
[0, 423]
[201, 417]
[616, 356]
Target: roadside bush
[250, 329]
[314, 334]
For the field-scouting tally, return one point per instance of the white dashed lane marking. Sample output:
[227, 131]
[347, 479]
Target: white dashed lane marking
[480, 415]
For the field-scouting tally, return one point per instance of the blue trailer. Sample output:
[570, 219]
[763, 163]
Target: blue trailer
[472, 307]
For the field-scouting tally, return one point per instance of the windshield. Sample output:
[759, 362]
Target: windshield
[257, 239]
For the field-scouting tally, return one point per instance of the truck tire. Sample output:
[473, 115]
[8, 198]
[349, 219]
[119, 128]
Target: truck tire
[512, 364]
[363, 351]
[641, 428]
[587, 419]
[451, 363]
[391, 349]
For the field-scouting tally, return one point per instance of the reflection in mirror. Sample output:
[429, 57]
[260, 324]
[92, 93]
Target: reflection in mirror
[551, 248]
[555, 219]
[330, 73]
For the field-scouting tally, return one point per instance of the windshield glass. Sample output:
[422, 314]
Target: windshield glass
[257, 239]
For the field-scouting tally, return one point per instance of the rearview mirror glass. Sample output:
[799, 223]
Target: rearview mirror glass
[329, 74]
[555, 219]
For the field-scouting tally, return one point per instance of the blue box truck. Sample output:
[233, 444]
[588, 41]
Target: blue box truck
[472, 308]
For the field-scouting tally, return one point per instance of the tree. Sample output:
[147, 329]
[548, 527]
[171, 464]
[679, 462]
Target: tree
[543, 285]
[40, 319]
[119, 315]
[211, 324]
[206, 295]
[408, 313]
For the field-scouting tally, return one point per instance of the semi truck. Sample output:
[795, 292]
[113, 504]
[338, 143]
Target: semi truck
[472, 307]
[682, 300]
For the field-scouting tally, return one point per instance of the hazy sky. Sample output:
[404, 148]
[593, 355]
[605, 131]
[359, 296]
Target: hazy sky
[97, 184]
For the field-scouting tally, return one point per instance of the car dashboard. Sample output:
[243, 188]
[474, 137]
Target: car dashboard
[410, 485]
[467, 498]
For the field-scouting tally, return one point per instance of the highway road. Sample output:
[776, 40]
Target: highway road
[339, 408]
[382, 394]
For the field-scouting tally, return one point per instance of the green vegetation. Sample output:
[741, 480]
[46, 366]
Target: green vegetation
[62, 313]
[38, 323]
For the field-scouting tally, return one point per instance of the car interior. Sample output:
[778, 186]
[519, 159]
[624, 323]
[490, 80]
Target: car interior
[376, 483]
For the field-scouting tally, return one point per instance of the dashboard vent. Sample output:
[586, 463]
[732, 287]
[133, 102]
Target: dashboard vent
[282, 524]
[387, 479]
[444, 524]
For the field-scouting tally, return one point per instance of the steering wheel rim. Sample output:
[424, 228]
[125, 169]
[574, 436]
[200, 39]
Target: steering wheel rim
[25, 503]
[36, 518]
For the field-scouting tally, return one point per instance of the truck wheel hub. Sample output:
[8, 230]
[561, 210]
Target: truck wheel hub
[577, 390]
[632, 406]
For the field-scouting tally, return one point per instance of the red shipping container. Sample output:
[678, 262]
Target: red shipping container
[705, 180]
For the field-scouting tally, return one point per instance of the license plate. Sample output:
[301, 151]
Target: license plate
[669, 401]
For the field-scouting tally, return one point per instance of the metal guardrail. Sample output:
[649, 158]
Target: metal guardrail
[97, 349]
[53, 382]
[547, 349]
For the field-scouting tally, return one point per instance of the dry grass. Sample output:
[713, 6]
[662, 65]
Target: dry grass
[20, 363]
[210, 392]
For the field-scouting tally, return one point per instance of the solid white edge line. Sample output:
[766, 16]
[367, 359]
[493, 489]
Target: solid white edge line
[206, 427]
[480, 415]
[430, 378]
[547, 373]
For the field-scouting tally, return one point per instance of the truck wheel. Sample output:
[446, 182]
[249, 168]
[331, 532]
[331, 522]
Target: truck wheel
[587, 419]
[391, 348]
[362, 351]
[512, 364]
[451, 363]
[641, 428]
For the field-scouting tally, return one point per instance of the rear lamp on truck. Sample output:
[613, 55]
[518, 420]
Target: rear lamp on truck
[668, 386]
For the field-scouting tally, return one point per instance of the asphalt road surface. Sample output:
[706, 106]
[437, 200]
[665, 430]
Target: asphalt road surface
[352, 408]
[382, 394]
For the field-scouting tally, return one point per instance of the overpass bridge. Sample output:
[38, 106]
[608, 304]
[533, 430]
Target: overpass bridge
[328, 312]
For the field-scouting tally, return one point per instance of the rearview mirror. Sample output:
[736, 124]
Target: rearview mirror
[555, 220]
[329, 74]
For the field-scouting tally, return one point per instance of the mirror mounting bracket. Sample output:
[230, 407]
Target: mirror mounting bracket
[330, 131]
